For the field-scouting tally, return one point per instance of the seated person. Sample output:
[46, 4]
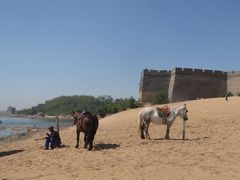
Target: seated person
[53, 139]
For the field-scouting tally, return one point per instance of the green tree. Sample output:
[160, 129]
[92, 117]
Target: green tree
[101, 105]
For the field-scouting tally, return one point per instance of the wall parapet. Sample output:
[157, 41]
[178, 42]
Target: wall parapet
[151, 71]
[233, 74]
[197, 71]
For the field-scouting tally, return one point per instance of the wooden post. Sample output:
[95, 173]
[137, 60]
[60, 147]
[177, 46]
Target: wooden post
[57, 124]
[184, 129]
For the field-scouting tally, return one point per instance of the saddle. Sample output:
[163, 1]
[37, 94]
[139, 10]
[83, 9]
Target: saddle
[164, 112]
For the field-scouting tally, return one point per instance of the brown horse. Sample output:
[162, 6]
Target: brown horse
[88, 124]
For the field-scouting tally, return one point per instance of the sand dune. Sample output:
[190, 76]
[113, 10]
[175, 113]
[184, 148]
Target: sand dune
[211, 150]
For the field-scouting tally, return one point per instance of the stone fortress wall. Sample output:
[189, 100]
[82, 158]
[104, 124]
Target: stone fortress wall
[233, 82]
[151, 82]
[187, 84]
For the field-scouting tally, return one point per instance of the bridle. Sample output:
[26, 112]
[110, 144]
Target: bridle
[185, 119]
[76, 119]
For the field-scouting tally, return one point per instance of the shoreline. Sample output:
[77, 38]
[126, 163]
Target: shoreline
[20, 136]
[60, 117]
[12, 133]
[30, 132]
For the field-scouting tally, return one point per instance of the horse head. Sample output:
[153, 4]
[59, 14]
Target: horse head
[78, 116]
[182, 112]
[75, 116]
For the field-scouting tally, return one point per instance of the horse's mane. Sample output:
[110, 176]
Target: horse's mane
[87, 113]
[176, 107]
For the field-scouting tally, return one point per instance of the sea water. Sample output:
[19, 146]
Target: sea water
[11, 126]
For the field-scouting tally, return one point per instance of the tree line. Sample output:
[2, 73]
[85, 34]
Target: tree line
[101, 105]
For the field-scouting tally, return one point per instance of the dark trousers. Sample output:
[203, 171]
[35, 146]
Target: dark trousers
[52, 142]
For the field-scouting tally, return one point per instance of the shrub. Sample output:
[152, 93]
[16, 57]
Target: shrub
[160, 98]
[229, 93]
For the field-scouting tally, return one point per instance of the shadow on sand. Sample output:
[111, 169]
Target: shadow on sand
[179, 139]
[60, 147]
[64, 146]
[100, 147]
[8, 153]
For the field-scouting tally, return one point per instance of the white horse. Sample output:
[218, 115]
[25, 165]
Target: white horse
[154, 115]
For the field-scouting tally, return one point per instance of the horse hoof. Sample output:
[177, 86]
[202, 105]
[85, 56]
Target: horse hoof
[76, 146]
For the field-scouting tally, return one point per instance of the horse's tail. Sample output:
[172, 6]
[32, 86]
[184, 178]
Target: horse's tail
[95, 125]
[93, 130]
[140, 125]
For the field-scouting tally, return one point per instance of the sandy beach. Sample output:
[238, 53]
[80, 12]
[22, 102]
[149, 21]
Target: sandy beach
[211, 150]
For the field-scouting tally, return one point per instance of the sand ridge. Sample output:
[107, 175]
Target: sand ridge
[211, 150]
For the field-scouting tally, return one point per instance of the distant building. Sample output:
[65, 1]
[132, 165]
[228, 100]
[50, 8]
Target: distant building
[11, 110]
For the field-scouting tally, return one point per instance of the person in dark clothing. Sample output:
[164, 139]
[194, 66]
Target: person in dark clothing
[53, 139]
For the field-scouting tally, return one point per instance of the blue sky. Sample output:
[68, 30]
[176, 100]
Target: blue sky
[62, 47]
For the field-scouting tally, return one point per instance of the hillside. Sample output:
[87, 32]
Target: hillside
[211, 150]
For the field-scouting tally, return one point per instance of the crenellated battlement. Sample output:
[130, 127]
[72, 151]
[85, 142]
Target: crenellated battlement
[234, 74]
[150, 71]
[197, 71]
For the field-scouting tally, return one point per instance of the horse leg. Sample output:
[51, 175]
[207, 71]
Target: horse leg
[88, 139]
[85, 140]
[141, 127]
[142, 131]
[91, 137]
[78, 134]
[167, 131]
[146, 134]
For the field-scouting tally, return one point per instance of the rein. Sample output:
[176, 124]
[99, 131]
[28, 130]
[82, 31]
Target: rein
[180, 116]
